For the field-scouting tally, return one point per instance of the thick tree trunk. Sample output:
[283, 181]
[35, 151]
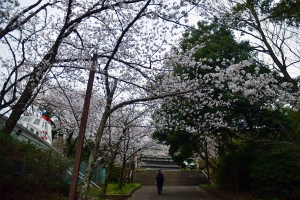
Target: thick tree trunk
[18, 110]
[87, 178]
[92, 158]
[104, 187]
[122, 174]
[35, 79]
[109, 169]
[123, 169]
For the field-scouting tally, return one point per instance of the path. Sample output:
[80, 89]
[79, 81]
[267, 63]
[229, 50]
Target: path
[149, 192]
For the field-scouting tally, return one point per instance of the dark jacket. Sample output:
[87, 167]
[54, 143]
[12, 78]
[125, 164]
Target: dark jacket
[159, 177]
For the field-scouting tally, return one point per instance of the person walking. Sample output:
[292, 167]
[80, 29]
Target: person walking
[159, 181]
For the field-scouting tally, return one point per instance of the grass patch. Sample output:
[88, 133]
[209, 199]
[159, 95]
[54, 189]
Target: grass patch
[113, 188]
[94, 192]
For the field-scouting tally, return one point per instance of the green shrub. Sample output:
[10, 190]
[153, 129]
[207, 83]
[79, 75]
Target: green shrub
[271, 171]
[113, 188]
[275, 173]
[235, 165]
[114, 174]
[28, 172]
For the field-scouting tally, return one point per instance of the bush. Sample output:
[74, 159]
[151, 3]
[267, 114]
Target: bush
[275, 173]
[235, 164]
[28, 172]
[114, 174]
[113, 188]
[271, 171]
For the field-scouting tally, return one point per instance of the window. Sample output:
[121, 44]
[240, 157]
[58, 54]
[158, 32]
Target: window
[26, 119]
[37, 121]
[32, 130]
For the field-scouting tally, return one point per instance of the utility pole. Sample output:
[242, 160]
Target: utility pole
[79, 147]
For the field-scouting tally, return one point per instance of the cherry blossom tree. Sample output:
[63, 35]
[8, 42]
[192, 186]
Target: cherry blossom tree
[65, 106]
[58, 46]
[129, 38]
[122, 135]
[61, 36]
[277, 41]
[234, 81]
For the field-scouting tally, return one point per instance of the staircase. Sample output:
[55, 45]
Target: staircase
[155, 163]
[179, 178]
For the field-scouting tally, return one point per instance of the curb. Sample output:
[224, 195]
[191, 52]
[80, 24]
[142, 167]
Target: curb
[216, 193]
[121, 196]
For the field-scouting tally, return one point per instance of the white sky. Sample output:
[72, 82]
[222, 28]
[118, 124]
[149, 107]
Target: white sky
[193, 19]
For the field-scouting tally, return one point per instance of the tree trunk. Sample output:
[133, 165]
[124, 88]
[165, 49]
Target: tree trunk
[18, 110]
[104, 187]
[123, 170]
[122, 173]
[207, 164]
[109, 169]
[34, 80]
[235, 174]
[281, 65]
[87, 177]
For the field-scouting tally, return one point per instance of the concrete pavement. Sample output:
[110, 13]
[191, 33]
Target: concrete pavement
[149, 192]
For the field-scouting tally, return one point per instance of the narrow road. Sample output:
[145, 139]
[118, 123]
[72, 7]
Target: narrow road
[172, 193]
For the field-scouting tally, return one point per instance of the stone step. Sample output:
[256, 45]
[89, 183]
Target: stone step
[157, 166]
[171, 177]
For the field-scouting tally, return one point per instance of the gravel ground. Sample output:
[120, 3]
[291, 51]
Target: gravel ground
[172, 193]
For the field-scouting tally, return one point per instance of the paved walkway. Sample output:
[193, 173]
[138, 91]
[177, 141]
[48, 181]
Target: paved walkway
[172, 193]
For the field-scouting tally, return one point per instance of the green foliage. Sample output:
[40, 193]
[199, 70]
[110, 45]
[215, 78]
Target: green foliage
[114, 174]
[271, 171]
[94, 192]
[219, 44]
[234, 168]
[113, 188]
[182, 144]
[286, 10]
[187, 169]
[275, 173]
[268, 163]
[278, 11]
[30, 173]
[70, 148]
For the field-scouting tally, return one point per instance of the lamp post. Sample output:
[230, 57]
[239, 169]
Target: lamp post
[79, 147]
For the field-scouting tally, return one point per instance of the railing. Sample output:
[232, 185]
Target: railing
[80, 176]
